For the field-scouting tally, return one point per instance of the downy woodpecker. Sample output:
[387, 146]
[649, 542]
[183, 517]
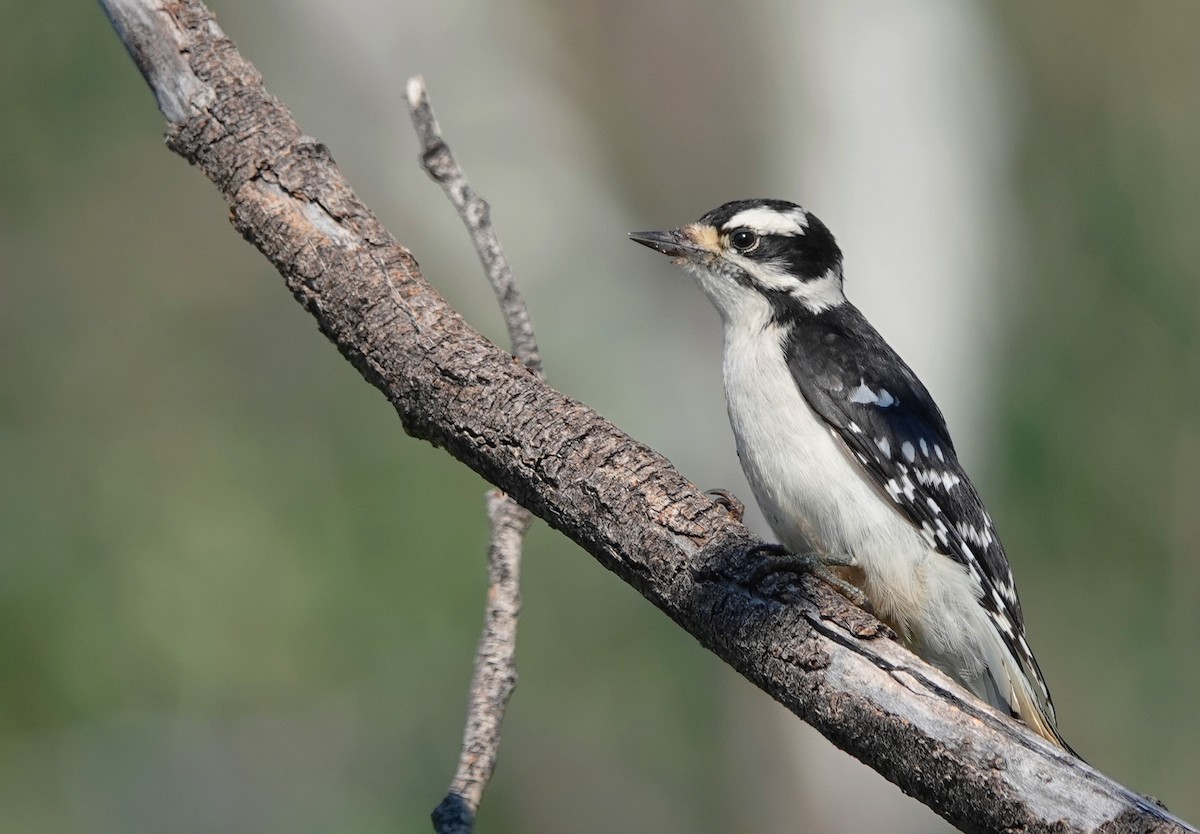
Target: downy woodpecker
[844, 447]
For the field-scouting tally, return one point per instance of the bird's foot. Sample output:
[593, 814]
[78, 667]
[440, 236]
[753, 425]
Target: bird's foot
[775, 559]
[725, 498]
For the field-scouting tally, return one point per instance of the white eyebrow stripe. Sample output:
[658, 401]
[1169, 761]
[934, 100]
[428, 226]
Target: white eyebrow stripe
[769, 221]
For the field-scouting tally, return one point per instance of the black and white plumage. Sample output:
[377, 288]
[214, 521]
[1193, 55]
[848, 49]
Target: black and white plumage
[843, 445]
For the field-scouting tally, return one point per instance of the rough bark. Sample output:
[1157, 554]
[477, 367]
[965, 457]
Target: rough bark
[830, 664]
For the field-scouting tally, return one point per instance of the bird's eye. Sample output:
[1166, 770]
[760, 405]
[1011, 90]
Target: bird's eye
[743, 240]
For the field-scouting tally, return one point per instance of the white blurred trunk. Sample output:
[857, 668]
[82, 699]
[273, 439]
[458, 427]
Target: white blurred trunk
[897, 140]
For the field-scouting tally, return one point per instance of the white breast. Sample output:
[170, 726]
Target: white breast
[813, 493]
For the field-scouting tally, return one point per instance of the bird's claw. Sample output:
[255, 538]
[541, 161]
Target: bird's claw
[726, 499]
[778, 559]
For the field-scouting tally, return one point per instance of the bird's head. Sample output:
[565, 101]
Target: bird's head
[748, 251]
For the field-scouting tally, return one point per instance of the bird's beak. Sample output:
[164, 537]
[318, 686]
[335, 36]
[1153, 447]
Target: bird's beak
[681, 244]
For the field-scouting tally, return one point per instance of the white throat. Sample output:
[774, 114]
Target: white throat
[737, 302]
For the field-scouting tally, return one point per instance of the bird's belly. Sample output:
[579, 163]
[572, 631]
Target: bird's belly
[815, 496]
[807, 486]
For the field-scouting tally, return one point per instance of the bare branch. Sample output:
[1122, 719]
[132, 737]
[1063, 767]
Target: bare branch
[440, 164]
[495, 674]
[622, 502]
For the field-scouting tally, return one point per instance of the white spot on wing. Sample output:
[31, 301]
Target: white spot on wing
[924, 447]
[1001, 621]
[893, 489]
[884, 446]
[863, 395]
[977, 537]
[942, 531]
[910, 453]
[972, 562]
[936, 477]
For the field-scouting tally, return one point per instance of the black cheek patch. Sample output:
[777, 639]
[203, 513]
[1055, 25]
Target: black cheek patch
[814, 253]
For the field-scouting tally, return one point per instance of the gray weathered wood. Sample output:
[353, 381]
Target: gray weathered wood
[626, 505]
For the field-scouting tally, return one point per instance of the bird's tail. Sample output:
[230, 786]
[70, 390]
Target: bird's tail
[1022, 691]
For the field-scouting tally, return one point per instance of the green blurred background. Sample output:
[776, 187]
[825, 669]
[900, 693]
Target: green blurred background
[235, 597]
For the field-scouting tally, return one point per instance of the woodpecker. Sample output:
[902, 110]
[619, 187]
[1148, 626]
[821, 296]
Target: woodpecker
[844, 447]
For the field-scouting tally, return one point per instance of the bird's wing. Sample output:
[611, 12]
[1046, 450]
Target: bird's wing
[873, 402]
[896, 432]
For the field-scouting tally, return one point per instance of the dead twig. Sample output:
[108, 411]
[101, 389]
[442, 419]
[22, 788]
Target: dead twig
[476, 214]
[495, 675]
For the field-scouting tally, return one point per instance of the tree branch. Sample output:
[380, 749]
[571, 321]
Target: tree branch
[622, 502]
[495, 674]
